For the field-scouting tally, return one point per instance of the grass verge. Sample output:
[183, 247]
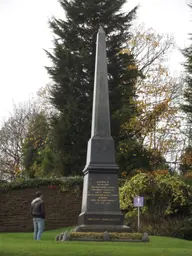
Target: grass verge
[22, 244]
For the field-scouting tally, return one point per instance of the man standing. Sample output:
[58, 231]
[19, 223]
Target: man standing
[38, 213]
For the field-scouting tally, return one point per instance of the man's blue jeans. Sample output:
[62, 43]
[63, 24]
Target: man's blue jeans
[38, 224]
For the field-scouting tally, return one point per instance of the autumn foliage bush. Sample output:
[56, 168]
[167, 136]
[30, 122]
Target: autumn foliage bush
[99, 235]
[167, 203]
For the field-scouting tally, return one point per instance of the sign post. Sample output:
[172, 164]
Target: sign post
[138, 202]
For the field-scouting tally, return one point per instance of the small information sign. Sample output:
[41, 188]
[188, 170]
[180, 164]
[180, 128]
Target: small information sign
[138, 201]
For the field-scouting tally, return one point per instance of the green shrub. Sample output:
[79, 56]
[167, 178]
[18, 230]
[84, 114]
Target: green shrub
[164, 195]
[167, 204]
[170, 227]
[186, 229]
[65, 183]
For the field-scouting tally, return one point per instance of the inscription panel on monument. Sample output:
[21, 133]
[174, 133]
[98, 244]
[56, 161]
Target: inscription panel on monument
[103, 192]
[103, 219]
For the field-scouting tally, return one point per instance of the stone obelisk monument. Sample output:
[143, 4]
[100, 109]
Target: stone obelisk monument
[100, 203]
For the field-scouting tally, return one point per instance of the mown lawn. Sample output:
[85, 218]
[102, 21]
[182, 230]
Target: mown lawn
[22, 244]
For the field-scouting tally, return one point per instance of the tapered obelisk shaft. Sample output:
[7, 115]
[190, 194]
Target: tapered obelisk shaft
[100, 210]
[101, 114]
[101, 149]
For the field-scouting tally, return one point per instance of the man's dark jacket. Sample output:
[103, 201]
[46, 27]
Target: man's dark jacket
[38, 208]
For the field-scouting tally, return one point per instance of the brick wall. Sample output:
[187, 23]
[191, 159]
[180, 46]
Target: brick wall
[62, 209]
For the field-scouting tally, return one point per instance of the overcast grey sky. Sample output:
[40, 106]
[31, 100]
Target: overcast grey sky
[24, 33]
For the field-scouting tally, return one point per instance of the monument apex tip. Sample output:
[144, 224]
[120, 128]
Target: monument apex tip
[101, 30]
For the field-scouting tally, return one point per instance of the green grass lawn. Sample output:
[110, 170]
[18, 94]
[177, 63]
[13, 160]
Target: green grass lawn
[22, 244]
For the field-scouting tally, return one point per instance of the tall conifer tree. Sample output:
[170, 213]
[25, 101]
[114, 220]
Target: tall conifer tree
[187, 106]
[186, 157]
[72, 72]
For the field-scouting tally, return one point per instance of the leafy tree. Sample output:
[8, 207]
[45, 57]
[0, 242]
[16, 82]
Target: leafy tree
[187, 105]
[186, 162]
[149, 48]
[157, 126]
[160, 120]
[12, 135]
[43, 99]
[38, 154]
[72, 72]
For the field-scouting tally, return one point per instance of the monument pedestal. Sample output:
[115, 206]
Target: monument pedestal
[100, 203]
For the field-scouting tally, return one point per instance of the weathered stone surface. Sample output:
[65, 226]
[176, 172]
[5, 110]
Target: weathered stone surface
[65, 236]
[57, 238]
[100, 203]
[101, 149]
[101, 114]
[101, 192]
[145, 237]
[106, 236]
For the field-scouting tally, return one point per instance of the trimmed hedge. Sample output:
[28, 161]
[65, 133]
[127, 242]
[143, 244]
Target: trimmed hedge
[64, 183]
[112, 235]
